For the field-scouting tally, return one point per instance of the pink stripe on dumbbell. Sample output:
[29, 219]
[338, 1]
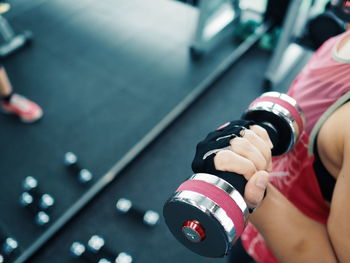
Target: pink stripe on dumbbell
[221, 198]
[294, 112]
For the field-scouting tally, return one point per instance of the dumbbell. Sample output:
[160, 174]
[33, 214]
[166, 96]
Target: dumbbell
[95, 251]
[148, 217]
[207, 213]
[44, 201]
[8, 246]
[96, 244]
[78, 250]
[90, 253]
[71, 161]
[26, 200]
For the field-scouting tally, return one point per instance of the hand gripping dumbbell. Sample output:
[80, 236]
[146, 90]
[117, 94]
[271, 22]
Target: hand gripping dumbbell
[71, 161]
[147, 217]
[207, 213]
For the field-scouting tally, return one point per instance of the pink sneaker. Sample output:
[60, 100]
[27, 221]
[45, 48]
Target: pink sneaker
[27, 110]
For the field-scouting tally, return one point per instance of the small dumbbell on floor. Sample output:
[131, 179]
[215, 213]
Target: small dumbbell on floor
[71, 162]
[36, 201]
[78, 250]
[96, 251]
[41, 218]
[96, 244]
[44, 201]
[147, 217]
[8, 246]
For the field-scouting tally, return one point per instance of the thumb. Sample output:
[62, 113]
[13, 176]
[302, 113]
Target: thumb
[255, 188]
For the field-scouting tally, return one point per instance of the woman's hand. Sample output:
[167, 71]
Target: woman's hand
[248, 155]
[239, 147]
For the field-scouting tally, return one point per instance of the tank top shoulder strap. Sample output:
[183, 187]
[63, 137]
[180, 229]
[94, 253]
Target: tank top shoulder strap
[313, 135]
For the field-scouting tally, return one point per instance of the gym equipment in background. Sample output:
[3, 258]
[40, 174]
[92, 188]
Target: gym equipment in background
[300, 36]
[26, 200]
[11, 41]
[71, 162]
[96, 251]
[322, 27]
[341, 9]
[36, 201]
[8, 246]
[215, 19]
[147, 217]
[207, 213]
[222, 18]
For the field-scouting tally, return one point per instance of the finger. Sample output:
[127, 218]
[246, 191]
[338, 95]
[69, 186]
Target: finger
[228, 161]
[255, 188]
[261, 132]
[260, 144]
[243, 147]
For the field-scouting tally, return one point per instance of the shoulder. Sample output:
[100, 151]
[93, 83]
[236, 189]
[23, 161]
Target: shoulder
[333, 140]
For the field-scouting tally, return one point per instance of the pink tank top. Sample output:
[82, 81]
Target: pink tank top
[321, 87]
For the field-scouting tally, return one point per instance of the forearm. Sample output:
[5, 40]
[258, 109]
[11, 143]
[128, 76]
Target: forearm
[338, 222]
[291, 236]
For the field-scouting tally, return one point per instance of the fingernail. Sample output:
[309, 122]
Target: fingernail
[271, 145]
[261, 182]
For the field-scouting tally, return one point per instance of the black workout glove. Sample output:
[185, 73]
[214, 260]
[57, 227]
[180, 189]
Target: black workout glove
[203, 161]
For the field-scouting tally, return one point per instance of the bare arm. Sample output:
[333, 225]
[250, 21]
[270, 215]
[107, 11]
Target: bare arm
[292, 236]
[339, 220]
[334, 143]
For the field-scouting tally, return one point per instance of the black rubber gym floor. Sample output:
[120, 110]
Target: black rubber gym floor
[106, 72]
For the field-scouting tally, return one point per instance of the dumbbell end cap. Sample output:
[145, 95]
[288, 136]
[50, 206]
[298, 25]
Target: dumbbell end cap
[123, 205]
[46, 201]
[29, 183]
[123, 257]
[177, 212]
[85, 176]
[77, 249]
[26, 199]
[70, 158]
[151, 218]
[193, 231]
[95, 243]
[9, 246]
[42, 218]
